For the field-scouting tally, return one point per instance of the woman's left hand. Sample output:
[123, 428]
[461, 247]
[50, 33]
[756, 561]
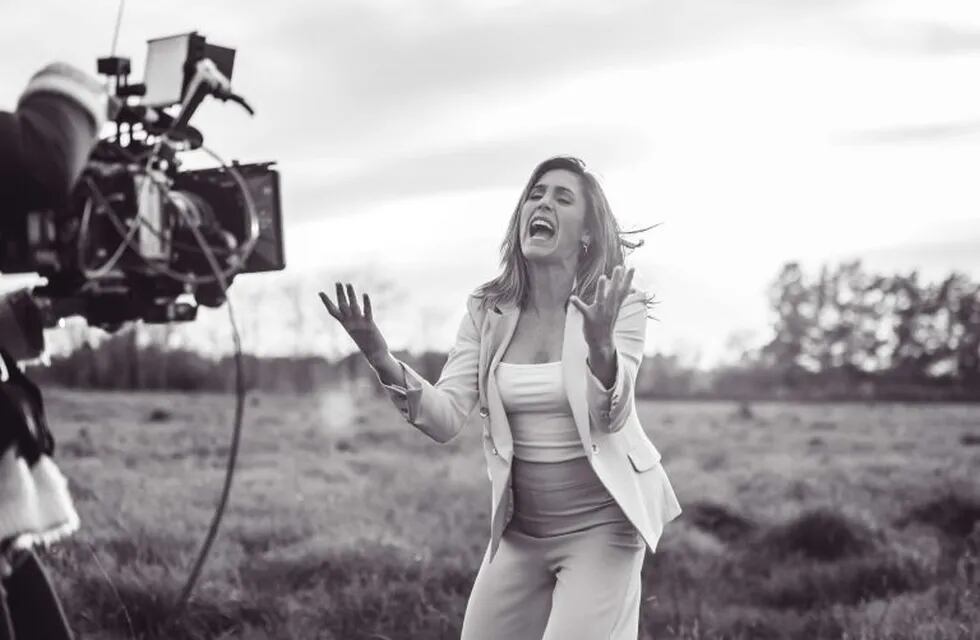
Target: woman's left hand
[599, 318]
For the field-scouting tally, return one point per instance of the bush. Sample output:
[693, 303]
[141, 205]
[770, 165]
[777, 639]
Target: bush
[850, 581]
[159, 414]
[819, 534]
[970, 440]
[953, 513]
[718, 520]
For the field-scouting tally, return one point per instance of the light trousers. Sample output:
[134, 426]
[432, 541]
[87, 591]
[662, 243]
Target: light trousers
[568, 565]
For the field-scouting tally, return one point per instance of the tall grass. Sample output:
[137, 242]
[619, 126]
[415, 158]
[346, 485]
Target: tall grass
[347, 523]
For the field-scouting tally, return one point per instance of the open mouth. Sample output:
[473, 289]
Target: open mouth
[541, 228]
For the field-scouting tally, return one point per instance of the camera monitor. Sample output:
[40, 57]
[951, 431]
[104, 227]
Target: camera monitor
[170, 66]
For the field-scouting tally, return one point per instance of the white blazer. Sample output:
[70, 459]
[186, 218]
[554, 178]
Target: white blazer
[624, 459]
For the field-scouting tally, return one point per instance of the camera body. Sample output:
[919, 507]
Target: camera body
[139, 238]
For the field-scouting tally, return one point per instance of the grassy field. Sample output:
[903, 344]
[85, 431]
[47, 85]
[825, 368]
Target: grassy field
[801, 521]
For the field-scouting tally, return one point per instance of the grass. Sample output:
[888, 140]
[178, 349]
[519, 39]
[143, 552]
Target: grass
[801, 521]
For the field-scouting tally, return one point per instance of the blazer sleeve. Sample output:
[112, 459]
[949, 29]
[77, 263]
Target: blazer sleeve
[439, 410]
[609, 408]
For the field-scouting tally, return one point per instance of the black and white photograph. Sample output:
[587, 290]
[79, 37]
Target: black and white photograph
[490, 320]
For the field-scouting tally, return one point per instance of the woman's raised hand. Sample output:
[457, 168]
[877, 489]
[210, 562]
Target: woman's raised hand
[599, 318]
[358, 323]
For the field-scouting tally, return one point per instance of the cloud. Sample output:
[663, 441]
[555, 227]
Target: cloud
[925, 37]
[912, 133]
[357, 77]
[471, 166]
[362, 71]
[948, 39]
[934, 259]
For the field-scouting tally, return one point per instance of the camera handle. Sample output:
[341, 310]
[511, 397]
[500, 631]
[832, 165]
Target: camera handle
[207, 80]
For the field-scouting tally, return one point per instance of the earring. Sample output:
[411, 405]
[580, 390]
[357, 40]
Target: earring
[585, 247]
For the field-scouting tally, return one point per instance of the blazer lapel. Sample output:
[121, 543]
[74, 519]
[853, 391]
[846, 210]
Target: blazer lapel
[573, 355]
[500, 330]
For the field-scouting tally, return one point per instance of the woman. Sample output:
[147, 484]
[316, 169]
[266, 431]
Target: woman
[578, 491]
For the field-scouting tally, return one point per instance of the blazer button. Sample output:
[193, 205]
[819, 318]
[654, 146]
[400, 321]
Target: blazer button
[484, 412]
[495, 451]
[595, 448]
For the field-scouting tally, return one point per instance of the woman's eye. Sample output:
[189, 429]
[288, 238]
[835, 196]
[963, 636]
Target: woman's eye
[565, 201]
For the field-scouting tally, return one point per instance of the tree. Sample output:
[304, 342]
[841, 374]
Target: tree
[792, 303]
[964, 312]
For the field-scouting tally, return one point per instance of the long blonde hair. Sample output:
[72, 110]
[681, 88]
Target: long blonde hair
[607, 249]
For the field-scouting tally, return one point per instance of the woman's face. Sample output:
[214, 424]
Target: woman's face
[552, 222]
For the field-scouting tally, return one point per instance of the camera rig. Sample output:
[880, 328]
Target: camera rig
[139, 238]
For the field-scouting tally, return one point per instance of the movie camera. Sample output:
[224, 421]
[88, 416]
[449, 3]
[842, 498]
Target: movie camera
[140, 238]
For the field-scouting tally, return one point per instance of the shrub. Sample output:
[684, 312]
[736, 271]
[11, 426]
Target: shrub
[819, 534]
[953, 513]
[970, 440]
[159, 415]
[718, 520]
[810, 585]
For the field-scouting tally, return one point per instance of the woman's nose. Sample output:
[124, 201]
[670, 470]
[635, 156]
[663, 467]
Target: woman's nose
[546, 202]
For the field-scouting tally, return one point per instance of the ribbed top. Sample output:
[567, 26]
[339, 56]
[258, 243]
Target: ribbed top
[537, 408]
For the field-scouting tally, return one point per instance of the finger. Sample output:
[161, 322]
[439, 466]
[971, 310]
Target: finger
[616, 288]
[352, 301]
[581, 306]
[331, 309]
[600, 291]
[617, 279]
[342, 301]
[628, 283]
[368, 312]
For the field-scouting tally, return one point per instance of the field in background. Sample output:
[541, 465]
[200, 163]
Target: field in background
[801, 521]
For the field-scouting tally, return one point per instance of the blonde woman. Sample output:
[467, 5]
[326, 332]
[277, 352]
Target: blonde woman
[545, 363]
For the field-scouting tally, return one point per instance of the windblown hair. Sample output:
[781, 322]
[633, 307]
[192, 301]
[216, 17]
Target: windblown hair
[607, 249]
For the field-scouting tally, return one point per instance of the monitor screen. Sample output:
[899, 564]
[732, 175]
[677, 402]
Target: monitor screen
[164, 76]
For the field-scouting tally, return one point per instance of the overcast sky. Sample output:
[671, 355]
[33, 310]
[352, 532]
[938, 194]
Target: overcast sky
[756, 132]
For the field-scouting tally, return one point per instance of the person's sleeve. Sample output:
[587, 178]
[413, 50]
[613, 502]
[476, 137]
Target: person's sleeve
[440, 410]
[43, 148]
[21, 325]
[609, 407]
[46, 142]
[399, 393]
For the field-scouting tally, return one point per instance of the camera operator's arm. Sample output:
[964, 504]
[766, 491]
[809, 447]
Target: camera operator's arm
[21, 325]
[45, 143]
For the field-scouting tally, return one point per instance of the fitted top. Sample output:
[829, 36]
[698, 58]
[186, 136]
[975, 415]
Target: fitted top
[540, 417]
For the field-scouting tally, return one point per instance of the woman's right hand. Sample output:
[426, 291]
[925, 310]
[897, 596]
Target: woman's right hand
[358, 324]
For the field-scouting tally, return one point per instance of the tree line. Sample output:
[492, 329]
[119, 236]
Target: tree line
[847, 333]
[840, 333]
